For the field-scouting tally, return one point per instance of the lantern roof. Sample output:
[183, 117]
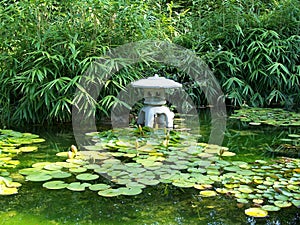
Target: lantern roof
[156, 82]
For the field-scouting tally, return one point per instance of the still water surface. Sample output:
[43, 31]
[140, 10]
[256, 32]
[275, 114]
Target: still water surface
[161, 204]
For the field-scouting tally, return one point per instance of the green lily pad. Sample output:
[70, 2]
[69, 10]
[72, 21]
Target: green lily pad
[77, 186]
[245, 189]
[282, 204]
[130, 190]
[41, 164]
[296, 203]
[28, 171]
[78, 170]
[92, 166]
[39, 177]
[28, 149]
[57, 184]
[110, 192]
[87, 176]
[183, 184]
[242, 200]
[99, 187]
[52, 166]
[148, 181]
[272, 208]
[60, 174]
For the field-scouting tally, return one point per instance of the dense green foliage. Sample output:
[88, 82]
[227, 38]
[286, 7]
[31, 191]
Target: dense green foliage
[46, 46]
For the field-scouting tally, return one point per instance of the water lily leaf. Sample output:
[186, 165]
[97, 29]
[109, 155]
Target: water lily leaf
[62, 154]
[130, 191]
[183, 184]
[41, 164]
[92, 166]
[256, 212]
[60, 174]
[242, 200]
[28, 149]
[296, 203]
[76, 186]
[223, 190]
[271, 208]
[52, 166]
[68, 165]
[282, 204]
[8, 190]
[110, 192]
[281, 197]
[208, 193]
[78, 170]
[99, 187]
[76, 161]
[246, 172]
[258, 201]
[148, 181]
[232, 168]
[28, 171]
[38, 140]
[227, 153]
[87, 176]
[39, 177]
[57, 184]
[245, 189]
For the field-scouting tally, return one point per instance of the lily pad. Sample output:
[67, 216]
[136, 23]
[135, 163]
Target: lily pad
[256, 212]
[60, 174]
[8, 191]
[208, 193]
[110, 192]
[130, 190]
[57, 184]
[87, 176]
[28, 149]
[99, 187]
[52, 166]
[271, 208]
[282, 204]
[39, 177]
[77, 186]
[78, 170]
[28, 171]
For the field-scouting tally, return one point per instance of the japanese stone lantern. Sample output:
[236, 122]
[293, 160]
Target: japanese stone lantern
[155, 113]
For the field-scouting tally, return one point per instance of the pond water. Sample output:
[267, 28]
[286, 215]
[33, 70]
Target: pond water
[160, 204]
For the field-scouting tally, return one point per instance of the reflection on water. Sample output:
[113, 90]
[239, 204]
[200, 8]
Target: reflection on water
[161, 204]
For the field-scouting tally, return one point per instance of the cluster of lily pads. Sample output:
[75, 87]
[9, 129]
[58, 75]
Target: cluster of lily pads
[13, 143]
[130, 160]
[268, 116]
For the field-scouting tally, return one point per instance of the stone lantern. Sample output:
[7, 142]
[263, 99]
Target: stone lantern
[155, 113]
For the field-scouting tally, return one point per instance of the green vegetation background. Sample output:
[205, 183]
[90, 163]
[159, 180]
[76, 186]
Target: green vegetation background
[47, 45]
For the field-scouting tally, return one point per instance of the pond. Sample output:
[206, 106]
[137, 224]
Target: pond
[157, 204]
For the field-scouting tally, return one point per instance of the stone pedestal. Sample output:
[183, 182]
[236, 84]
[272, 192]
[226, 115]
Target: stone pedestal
[152, 115]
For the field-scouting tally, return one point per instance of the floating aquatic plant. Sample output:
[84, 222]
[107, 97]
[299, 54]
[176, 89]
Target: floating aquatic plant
[130, 161]
[267, 116]
[13, 143]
